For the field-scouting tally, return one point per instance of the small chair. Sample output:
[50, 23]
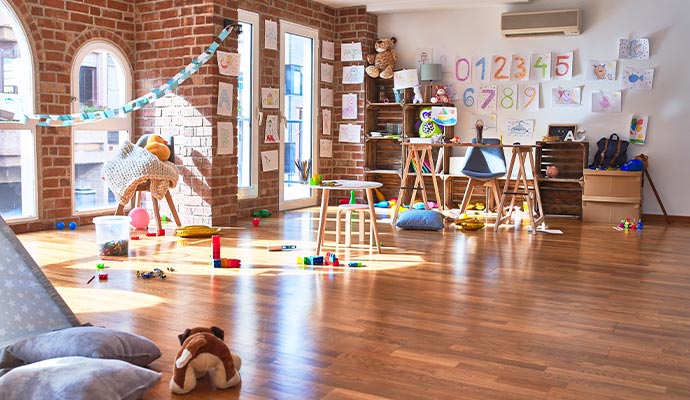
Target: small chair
[146, 187]
[484, 165]
[348, 209]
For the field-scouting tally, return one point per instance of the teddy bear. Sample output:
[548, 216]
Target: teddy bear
[203, 350]
[158, 146]
[441, 96]
[383, 60]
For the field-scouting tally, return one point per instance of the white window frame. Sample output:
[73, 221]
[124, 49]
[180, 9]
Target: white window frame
[27, 93]
[253, 190]
[121, 123]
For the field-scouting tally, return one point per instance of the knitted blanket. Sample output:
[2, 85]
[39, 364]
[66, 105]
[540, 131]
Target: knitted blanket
[134, 165]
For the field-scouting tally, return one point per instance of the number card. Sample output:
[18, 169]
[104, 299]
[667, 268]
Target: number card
[463, 69]
[507, 97]
[479, 69]
[529, 97]
[468, 98]
[563, 66]
[487, 97]
[500, 68]
[541, 67]
[518, 67]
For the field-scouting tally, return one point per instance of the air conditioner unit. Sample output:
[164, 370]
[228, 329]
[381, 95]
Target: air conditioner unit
[536, 23]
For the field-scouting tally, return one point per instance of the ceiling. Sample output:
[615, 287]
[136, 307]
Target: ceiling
[392, 6]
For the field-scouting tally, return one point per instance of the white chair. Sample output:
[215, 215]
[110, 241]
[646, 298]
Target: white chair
[362, 211]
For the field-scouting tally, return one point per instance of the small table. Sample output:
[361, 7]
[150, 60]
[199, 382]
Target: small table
[367, 186]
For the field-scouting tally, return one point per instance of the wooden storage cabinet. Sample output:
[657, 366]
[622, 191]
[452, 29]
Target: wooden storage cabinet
[610, 196]
[562, 196]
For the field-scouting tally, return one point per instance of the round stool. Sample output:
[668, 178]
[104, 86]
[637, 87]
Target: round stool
[348, 210]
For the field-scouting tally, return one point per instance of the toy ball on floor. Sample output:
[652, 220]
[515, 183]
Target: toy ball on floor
[60, 225]
[256, 222]
[72, 225]
[140, 218]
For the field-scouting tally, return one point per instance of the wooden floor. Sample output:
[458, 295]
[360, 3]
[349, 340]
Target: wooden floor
[590, 314]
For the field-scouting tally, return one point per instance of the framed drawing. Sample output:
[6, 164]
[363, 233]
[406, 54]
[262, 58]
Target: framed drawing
[561, 132]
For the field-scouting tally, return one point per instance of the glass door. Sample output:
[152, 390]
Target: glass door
[298, 112]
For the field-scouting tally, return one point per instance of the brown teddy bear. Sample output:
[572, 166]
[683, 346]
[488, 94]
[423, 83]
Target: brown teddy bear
[383, 60]
[203, 350]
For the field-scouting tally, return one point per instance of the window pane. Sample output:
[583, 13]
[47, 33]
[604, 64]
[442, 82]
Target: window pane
[17, 174]
[244, 107]
[92, 149]
[101, 82]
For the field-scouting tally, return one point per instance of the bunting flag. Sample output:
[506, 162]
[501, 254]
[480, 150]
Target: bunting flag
[155, 94]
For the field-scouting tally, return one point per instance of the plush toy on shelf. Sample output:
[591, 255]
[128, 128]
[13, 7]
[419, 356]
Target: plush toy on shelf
[441, 96]
[383, 60]
[158, 146]
[203, 350]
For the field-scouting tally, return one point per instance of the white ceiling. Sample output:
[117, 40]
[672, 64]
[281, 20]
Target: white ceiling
[391, 6]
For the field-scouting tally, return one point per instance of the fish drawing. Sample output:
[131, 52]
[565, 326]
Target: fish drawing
[634, 78]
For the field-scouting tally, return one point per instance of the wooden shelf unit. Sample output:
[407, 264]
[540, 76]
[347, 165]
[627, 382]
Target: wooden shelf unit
[562, 196]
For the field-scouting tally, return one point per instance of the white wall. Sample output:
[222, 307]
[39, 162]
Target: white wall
[476, 31]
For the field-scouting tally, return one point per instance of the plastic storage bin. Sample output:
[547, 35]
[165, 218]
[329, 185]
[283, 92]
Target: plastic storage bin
[112, 235]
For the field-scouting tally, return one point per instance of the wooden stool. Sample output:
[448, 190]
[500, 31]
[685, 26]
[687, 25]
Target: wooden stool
[362, 210]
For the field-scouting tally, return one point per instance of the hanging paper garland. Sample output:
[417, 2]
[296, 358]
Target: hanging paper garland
[155, 94]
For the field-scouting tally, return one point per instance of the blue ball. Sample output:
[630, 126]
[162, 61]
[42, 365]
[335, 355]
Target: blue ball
[72, 225]
[60, 225]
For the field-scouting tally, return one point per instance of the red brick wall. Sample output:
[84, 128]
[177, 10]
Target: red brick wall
[160, 37]
[56, 29]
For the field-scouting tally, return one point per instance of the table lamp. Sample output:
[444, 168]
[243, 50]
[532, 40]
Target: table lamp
[430, 73]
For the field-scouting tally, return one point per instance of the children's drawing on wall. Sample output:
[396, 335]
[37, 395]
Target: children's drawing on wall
[565, 97]
[228, 63]
[519, 67]
[353, 74]
[326, 73]
[508, 97]
[326, 97]
[422, 56]
[271, 134]
[487, 98]
[225, 97]
[444, 116]
[326, 121]
[351, 51]
[350, 106]
[638, 129]
[271, 35]
[225, 138]
[349, 133]
[405, 78]
[638, 78]
[606, 101]
[523, 128]
[270, 98]
[442, 56]
[540, 68]
[452, 91]
[327, 50]
[598, 70]
[269, 160]
[326, 148]
[633, 49]
[489, 123]
[529, 97]
[563, 66]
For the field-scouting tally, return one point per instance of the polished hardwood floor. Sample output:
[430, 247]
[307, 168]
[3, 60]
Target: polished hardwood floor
[590, 314]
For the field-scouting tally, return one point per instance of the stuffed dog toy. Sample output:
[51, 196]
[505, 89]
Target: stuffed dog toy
[203, 350]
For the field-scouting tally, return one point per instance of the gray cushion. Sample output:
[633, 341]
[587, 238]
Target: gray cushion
[77, 378]
[426, 220]
[86, 341]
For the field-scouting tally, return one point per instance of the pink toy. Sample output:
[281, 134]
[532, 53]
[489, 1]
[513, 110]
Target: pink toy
[140, 218]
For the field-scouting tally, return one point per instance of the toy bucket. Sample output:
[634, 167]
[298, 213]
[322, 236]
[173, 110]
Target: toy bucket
[112, 235]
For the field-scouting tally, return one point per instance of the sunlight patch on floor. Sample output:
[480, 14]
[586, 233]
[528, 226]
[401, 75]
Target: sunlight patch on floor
[95, 300]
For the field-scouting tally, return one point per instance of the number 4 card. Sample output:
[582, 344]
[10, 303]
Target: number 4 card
[541, 67]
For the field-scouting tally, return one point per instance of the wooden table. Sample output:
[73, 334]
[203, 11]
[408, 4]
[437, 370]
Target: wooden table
[367, 186]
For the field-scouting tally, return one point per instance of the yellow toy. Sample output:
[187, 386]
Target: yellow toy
[158, 146]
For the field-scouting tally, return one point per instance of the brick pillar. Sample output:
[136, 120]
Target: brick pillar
[168, 37]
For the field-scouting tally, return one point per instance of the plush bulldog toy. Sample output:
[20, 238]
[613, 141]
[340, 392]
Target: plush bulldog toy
[203, 350]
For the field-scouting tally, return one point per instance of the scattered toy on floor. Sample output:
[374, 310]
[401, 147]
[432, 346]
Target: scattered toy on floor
[60, 225]
[256, 222]
[262, 213]
[196, 231]
[280, 247]
[203, 350]
[72, 225]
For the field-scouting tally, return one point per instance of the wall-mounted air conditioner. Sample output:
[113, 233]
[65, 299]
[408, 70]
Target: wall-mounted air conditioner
[535, 23]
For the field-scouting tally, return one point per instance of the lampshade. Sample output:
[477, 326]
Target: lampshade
[406, 78]
[431, 72]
